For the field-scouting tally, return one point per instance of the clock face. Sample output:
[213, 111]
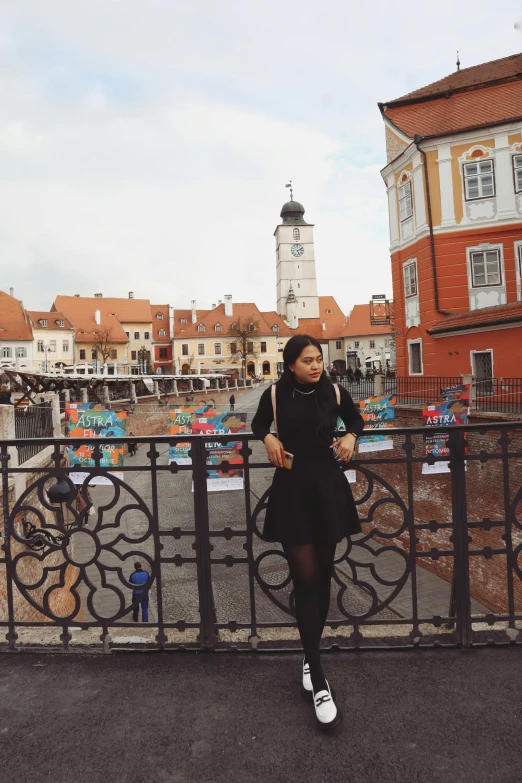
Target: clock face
[297, 250]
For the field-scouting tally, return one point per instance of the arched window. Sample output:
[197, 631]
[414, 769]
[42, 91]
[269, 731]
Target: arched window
[275, 328]
[217, 328]
[161, 332]
[160, 316]
[266, 368]
[201, 328]
[297, 234]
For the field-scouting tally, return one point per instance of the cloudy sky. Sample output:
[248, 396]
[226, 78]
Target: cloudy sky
[144, 146]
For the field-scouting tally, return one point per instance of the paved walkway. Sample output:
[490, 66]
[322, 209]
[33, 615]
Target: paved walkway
[419, 717]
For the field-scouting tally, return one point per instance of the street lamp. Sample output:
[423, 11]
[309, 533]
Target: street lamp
[59, 494]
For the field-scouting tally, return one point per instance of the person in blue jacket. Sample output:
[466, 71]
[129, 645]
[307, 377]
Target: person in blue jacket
[140, 577]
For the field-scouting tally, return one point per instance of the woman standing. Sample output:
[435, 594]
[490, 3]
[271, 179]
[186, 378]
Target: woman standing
[311, 507]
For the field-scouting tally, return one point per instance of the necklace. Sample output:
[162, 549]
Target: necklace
[302, 392]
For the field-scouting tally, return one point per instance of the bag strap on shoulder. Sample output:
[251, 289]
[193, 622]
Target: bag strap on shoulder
[274, 408]
[337, 393]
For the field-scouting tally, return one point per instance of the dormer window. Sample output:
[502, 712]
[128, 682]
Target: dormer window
[201, 328]
[43, 322]
[161, 333]
[297, 234]
[159, 316]
[250, 327]
[183, 320]
[275, 328]
[60, 324]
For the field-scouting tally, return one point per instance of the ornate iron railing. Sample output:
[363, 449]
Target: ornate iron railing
[34, 421]
[439, 561]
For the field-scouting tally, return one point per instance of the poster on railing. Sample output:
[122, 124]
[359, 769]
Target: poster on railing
[455, 392]
[90, 420]
[378, 413]
[450, 413]
[181, 424]
[207, 421]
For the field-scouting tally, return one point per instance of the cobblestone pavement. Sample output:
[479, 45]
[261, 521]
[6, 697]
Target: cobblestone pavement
[230, 584]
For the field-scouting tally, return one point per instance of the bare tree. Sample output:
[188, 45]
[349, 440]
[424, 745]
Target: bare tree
[244, 333]
[103, 343]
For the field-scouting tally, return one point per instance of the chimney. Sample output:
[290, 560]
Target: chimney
[214, 306]
[229, 310]
[97, 316]
[220, 301]
[131, 294]
[78, 295]
[98, 296]
[194, 314]
[324, 326]
[11, 292]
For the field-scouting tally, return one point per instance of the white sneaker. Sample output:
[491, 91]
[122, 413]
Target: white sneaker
[326, 713]
[308, 691]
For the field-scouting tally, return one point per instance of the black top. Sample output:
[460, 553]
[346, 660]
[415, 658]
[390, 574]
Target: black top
[5, 398]
[298, 417]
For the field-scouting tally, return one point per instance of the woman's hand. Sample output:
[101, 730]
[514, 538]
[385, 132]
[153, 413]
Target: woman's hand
[273, 450]
[344, 447]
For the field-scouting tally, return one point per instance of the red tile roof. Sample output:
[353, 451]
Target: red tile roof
[210, 318]
[51, 318]
[88, 328]
[163, 323]
[487, 316]
[359, 323]
[495, 70]
[330, 314]
[179, 315]
[14, 321]
[491, 105]
[126, 310]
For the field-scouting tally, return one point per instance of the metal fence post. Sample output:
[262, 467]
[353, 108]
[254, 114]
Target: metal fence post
[6, 546]
[460, 537]
[207, 637]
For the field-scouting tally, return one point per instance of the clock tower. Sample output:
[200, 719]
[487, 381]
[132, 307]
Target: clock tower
[295, 264]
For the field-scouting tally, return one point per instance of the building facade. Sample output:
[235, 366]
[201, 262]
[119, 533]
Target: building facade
[16, 334]
[365, 345]
[53, 341]
[454, 184]
[162, 338]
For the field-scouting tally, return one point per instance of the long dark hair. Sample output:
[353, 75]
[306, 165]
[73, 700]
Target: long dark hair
[324, 395]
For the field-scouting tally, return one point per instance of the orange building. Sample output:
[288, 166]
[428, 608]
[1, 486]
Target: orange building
[454, 183]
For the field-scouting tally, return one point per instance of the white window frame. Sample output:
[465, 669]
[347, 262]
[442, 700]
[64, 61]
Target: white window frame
[472, 361]
[356, 344]
[372, 344]
[21, 352]
[43, 322]
[217, 349]
[65, 346]
[40, 346]
[161, 333]
[136, 335]
[201, 349]
[405, 194]
[218, 328]
[478, 176]
[146, 335]
[61, 324]
[52, 346]
[517, 172]
[201, 328]
[159, 316]
[518, 269]
[183, 320]
[408, 288]
[6, 352]
[338, 345]
[474, 251]
[297, 235]
[418, 341]
[275, 328]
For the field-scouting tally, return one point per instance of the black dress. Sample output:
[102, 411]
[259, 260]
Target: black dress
[313, 502]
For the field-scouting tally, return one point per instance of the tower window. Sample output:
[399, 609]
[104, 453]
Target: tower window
[479, 179]
[405, 201]
[297, 234]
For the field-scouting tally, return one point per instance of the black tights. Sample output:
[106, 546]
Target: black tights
[311, 569]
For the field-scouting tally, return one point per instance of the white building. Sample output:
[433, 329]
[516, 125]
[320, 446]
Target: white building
[295, 263]
[53, 341]
[16, 336]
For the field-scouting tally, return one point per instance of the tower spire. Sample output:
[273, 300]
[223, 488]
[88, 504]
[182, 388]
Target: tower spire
[291, 190]
[458, 61]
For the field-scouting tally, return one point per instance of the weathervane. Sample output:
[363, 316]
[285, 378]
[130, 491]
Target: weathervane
[291, 190]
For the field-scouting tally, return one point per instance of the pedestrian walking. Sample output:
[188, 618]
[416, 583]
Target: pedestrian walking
[84, 504]
[310, 507]
[5, 395]
[232, 402]
[357, 374]
[140, 577]
[131, 446]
